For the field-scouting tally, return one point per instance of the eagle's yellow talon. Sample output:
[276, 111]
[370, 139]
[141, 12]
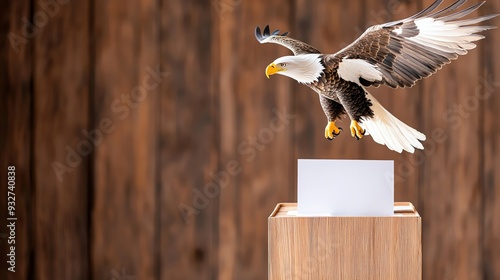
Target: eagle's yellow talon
[356, 130]
[331, 130]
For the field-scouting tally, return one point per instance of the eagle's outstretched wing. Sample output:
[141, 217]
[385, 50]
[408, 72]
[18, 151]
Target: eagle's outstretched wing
[402, 52]
[296, 46]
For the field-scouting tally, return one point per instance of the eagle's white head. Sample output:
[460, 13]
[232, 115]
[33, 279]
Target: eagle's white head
[305, 68]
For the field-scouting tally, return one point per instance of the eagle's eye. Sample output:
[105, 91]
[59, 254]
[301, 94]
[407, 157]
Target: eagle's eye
[283, 64]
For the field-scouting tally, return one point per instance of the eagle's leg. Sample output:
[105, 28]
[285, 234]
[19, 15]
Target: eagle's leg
[331, 130]
[333, 111]
[356, 130]
[357, 105]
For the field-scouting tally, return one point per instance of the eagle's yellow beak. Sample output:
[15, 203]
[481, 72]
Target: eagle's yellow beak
[272, 69]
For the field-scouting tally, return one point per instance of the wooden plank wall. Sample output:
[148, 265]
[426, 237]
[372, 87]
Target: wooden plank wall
[61, 107]
[189, 145]
[16, 134]
[171, 147]
[126, 94]
[489, 77]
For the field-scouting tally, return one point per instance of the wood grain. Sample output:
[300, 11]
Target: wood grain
[126, 97]
[16, 132]
[489, 87]
[345, 247]
[452, 245]
[61, 162]
[188, 156]
[256, 128]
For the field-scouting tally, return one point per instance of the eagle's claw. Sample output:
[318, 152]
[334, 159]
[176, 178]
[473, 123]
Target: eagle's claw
[356, 130]
[335, 134]
[332, 131]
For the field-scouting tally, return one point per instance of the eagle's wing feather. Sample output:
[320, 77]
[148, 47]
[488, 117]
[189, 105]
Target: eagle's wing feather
[408, 50]
[296, 46]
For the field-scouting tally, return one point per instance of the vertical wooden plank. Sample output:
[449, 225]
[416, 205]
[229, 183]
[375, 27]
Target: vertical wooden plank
[188, 150]
[226, 231]
[15, 135]
[489, 82]
[127, 87]
[61, 150]
[450, 191]
[256, 135]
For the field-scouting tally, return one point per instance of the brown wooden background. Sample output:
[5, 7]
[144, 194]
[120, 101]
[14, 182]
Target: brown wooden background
[117, 212]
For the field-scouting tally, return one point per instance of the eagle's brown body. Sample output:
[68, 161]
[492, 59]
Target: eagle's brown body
[334, 91]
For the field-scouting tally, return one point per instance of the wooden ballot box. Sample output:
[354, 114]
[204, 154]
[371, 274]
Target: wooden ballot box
[345, 248]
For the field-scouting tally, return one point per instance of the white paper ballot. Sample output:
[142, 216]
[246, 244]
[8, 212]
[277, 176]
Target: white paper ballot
[345, 187]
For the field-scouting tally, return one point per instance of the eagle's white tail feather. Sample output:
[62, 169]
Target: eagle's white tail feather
[386, 129]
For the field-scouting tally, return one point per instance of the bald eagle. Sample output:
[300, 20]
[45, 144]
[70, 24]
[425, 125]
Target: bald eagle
[395, 54]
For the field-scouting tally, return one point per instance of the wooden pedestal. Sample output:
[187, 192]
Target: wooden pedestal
[345, 247]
